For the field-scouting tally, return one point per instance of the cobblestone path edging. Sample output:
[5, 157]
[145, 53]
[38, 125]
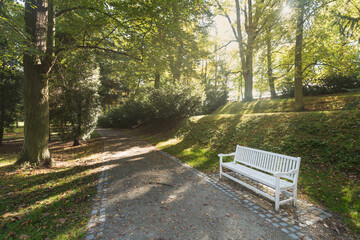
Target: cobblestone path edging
[282, 220]
[96, 223]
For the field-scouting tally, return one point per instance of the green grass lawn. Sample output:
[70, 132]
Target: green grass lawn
[48, 203]
[327, 141]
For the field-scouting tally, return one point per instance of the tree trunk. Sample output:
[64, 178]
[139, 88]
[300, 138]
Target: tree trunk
[205, 73]
[246, 55]
[157, 79]
[76, 142]
[2, 123]
[35, 149]
[2, 115]
[269, 65]
[248, 77]
[299, 104]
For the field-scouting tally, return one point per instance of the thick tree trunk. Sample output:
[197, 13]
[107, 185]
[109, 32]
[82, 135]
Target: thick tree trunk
[2, 124]
[246, 55]
[2, 116]
[299, 104]
[36, 93]
[269, 65]
[76, 142]
[248, 77]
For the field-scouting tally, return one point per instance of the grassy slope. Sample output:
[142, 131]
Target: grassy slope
[48, 203]
[327, 141]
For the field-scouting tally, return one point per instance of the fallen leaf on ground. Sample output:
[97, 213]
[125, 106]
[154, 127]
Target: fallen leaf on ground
[62, 220]
[24, 236]
[5, 215]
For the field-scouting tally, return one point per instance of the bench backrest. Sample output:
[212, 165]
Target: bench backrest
[267, 161]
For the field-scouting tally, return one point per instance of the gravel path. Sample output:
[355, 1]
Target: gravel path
[148, 195]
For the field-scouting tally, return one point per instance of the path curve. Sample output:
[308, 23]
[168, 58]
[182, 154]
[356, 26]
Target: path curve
[151, 196]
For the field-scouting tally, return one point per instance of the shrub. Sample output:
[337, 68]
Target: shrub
[169, 101]
[214, 98]
[328, 85]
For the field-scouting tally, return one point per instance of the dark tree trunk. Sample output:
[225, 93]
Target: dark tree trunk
[2, 124]
[157, 79]
[299, 104]
[269, 65]
[36, 92]
[2, 116]
[76, 142]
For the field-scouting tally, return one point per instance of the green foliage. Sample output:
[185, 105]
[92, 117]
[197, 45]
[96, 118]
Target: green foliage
[171, 101]
[11, 79]
[214, 98]
[75, 105]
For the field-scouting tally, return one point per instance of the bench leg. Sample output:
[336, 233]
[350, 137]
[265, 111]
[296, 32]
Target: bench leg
[277, 200]
[220, 171]
[220, 168]
[277, 194]
[295, 195]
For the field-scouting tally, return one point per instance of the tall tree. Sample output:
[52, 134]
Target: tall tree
[299, 103]
[255, 19]
[38, 60]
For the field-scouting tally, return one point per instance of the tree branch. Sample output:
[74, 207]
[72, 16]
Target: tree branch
[13, 26]
[231, 41]
[228, 18]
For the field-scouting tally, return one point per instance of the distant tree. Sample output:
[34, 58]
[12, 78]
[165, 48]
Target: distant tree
[75, 102]
[299, 103]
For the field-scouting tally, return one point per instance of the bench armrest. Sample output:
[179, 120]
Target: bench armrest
[221, 155]
[225, 155]
[284, 173]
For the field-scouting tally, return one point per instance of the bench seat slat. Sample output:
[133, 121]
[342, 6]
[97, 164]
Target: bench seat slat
[260, 177]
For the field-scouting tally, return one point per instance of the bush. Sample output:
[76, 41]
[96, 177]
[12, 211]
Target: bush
[214, 98]
[328, 85]
[169, 101]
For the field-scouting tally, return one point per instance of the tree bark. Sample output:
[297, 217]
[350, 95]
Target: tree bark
[37, 65]
[246, 55]
[76, 142]
[269, 65]
[2, 123]
[299, 104]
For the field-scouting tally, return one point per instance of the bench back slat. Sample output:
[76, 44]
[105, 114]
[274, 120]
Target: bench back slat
[266, 161]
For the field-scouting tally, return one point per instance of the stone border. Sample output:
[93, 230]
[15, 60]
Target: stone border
[277, 219]
[95, 226]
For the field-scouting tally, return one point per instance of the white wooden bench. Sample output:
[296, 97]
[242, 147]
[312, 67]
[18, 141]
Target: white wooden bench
[277, 171]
